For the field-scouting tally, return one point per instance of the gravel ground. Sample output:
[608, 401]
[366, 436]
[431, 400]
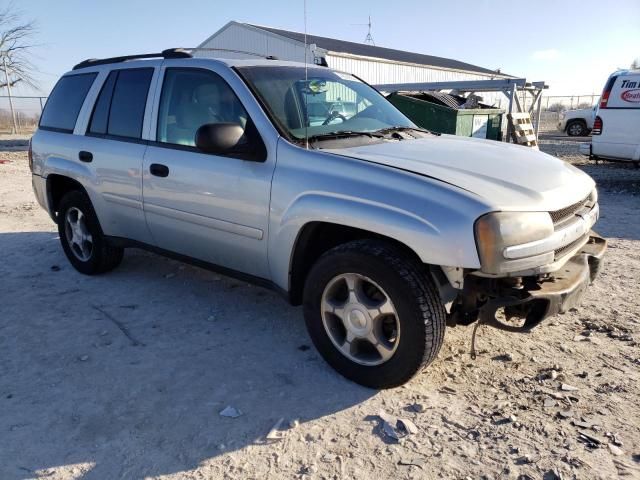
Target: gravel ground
[567, 149]
[124, 375]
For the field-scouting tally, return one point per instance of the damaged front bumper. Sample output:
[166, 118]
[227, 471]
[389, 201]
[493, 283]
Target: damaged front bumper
[530, 298]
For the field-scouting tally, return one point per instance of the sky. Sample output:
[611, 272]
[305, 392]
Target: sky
[572, 45]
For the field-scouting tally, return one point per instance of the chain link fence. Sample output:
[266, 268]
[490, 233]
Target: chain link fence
[568, 102]
[27, 112]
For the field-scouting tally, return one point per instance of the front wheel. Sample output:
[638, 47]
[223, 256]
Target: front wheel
[81, 236]
[374, 313]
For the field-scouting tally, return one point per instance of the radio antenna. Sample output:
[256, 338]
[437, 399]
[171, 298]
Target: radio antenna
[369, 38]
[306, 81]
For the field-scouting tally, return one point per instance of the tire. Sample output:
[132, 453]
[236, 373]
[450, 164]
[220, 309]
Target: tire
[577, 128]
[95, 256]
[420, 316]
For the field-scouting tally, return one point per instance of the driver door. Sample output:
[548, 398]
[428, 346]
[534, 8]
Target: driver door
[214, 208]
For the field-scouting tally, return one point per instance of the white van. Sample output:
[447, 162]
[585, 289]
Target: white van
[616, 128]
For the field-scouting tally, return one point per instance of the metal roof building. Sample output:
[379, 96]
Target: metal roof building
[375, 65]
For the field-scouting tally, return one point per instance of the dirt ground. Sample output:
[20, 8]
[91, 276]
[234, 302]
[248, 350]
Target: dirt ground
[124, 375]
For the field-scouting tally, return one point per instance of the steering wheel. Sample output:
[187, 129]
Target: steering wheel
[332, 116]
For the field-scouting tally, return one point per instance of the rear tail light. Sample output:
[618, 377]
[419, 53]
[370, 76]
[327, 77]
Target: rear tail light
[597, 126]
[604, 98]
[30, 154]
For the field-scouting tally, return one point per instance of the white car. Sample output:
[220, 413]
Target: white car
[577, 123]
[616, 128]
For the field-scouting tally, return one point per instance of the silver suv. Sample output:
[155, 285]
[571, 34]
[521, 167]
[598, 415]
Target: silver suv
[385, 232]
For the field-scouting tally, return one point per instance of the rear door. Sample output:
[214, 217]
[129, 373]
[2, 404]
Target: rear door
[114, 148]
[57, 141]
[211, 207]
[620, 136]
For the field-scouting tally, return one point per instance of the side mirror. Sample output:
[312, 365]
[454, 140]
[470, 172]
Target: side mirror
[218, 137]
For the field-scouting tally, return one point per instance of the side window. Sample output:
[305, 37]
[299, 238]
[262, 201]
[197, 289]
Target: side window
[100, 116]
[191, 98]
[119, 110]
[65, 102]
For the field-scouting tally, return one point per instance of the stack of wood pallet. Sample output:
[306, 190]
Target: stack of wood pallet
[521, 129]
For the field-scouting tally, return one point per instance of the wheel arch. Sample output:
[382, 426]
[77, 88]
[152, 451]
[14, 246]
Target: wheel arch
[317, 237]
[57, 187]
[576, 120]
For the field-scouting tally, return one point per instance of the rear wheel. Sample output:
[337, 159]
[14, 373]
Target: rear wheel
[577, 128]
[81, 236]
[373, 313]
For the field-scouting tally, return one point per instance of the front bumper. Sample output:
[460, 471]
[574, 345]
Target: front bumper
[535, 298]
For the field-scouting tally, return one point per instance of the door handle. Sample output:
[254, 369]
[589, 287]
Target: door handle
[159, 170]
[85, 156]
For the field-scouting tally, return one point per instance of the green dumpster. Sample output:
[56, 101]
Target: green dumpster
[428, 110]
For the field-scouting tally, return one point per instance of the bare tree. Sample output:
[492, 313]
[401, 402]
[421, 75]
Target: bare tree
[556, 107]
[16, 35]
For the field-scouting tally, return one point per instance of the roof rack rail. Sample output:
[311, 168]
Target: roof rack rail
[168, 53]
[228, 50]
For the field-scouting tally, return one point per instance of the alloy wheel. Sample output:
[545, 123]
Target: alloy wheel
[360, 319]
[575, 129]
[78, 237]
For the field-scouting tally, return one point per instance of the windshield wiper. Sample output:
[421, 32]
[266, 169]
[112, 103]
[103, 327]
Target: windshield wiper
[343, 134]
[400, 128]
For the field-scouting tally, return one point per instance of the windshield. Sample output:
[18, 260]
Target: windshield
[326, 102]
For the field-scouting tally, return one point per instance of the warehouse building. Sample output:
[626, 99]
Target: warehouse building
[375, 65]
[387, 69]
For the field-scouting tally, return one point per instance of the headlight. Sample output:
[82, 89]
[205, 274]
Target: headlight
[499, 230]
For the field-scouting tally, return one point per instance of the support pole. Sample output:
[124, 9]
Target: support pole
[537, 129]
[6, 76]
[512, 96]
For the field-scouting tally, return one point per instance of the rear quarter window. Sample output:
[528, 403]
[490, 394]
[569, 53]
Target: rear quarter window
[64, 103]
[625, 92]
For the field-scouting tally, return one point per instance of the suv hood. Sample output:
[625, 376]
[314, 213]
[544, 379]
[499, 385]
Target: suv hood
[506, 176]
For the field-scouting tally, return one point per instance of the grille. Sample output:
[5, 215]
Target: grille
[562, 251]
[564, 214]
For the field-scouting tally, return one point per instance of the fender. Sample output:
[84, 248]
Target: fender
[419, 234]
[70, 169]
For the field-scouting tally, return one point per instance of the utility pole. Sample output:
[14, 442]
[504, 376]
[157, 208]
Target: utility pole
[6, 76]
